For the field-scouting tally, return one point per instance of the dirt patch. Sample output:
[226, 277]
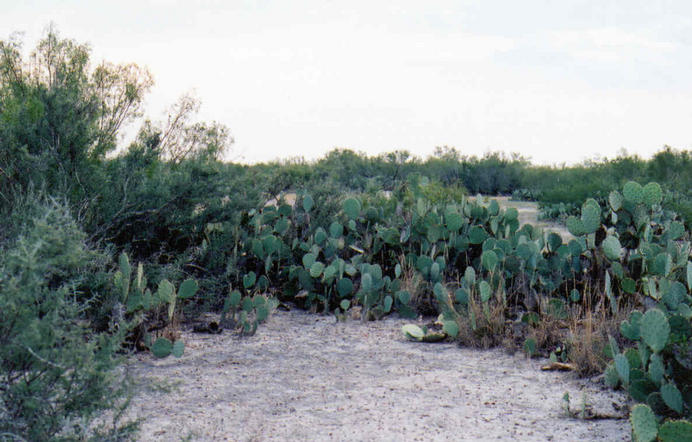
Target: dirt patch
[307, 377]
[528, 214]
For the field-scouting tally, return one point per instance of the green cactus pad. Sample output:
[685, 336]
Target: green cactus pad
[590, 218]
[485, 291]
[451, 328]
[675, 431]
[316, 269]
[672, 397]
[352, 208]
[554, 241]
[575, 226]
[630, 329]
[336, 229]
[320, 236]
[489, 260]
[633, 192]
[454, 221]
[366, 282]
[611, 377]
[344, 286]
[477, 235]
[615, 200]
[187, 289]
[413, 332]
[345, 304]
[511, 214]
[470, 276]
[308, 260]
[125, 267]
[612, 248]
[308, 203]
[165, 291]
[629, 285]
[162, 348]
[249, 280]
[623, 368]
[461, 296]
[644, 424]
[676, 230]
[234, 299]
[656, 369]
[652, 194]
[178, 349]
[404, 297]
[655, 329]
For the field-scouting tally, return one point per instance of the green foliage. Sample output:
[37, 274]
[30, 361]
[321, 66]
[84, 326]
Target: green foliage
[644, 426]
[675, 431]
[655, 329]
[54, 367]
[413, 332]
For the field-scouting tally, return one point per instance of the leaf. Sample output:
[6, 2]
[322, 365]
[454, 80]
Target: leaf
[633, 192]
[652, 194]
[676, 431]
[489, 260]
[308, 260]
[351, 208]
[249, 280]
[387, 304]
[643, 423]
[316, 269]
[162, 348]
[451, 328]
[654, 329]
[366, 282]
[477, 235]
[615, 199]
[345, 304]
[125, 268]
[623, 368]
[612, 248]
[413, 332]
[344, 286]
[484, 288]
[672, 397]
[187, 289]
[178, 349]
[234, 298]
[308, 202]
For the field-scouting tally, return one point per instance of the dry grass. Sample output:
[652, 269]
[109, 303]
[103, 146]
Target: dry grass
[582, 333]
[413, 283]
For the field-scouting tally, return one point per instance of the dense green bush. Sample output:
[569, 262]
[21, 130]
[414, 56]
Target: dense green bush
[56, 374]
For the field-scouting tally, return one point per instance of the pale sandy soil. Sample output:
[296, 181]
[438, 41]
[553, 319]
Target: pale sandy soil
[307, 377]
[528, 214]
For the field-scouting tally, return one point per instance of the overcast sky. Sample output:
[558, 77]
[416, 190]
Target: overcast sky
[557, 81]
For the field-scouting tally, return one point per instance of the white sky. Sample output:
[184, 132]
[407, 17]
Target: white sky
[557, 81]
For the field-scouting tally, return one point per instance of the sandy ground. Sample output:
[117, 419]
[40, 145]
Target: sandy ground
[307, 377]
[528, 213]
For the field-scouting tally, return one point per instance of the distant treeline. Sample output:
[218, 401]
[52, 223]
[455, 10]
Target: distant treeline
[494, 173]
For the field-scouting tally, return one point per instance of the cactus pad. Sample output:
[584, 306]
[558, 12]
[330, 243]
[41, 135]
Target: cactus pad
[655, 329]
[643, 423]
[612, 248]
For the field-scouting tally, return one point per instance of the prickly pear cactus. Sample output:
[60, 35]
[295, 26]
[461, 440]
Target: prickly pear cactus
[655, 329]
[644, 426]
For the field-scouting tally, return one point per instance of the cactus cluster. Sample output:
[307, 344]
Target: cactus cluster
[471, 254]
[140, 306]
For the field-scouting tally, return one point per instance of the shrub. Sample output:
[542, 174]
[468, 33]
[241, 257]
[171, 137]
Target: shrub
[55, 373]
